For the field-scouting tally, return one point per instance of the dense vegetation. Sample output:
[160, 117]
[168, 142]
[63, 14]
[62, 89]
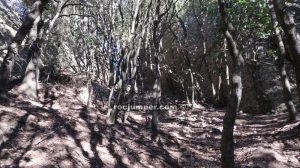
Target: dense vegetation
[237, 55]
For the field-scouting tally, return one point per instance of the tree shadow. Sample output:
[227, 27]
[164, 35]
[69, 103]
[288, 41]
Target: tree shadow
[16, 162]
[95, 138]
[11, 136]
[118, 157]
[58, 122]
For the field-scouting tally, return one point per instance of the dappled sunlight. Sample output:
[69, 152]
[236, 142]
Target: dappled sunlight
[39, 136]
[149, 83]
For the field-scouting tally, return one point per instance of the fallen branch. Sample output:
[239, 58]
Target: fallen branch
[47, 136]
[288, 131]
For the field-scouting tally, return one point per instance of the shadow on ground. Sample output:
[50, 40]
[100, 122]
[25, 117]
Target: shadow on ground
[61, 131]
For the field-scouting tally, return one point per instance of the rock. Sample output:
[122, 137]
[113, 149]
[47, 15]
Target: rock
[293, 159]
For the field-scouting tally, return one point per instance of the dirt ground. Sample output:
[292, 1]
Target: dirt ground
[60, 131]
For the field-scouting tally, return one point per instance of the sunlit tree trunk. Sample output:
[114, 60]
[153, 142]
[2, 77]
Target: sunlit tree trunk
[29, 84]
[286, 21]
[8, 62]
[157, 37]
[281, 67]
[38, 33]
[227, 141]
[128, 68]
[157, 83]
[225, 79]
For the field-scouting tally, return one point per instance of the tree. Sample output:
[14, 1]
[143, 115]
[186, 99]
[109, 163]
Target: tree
[287, 22]
[37, 36]
[128, 62]
[281, 67]
[8, 62]
[161, 21]
[227, 143]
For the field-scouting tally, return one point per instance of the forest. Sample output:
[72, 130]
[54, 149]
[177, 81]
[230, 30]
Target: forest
[149, 83]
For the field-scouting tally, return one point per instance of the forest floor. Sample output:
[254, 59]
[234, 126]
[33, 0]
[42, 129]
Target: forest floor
[60, 131]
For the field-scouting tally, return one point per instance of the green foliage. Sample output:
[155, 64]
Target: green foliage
[271, 53]
[251, 18]
[212, 10]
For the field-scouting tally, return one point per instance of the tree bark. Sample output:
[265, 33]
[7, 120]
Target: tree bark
[128, 68]
[38, 33]
[23, 31]
[225, 78]
[281, 67]
[286, 21]
[29, 85]
[227, 142]
[157, 85]
[186, 58]
[157, 37]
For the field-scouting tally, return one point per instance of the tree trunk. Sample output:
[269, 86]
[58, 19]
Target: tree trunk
[225, 79]
[156, 88]
[286, 21]
[187, 62]
[288, 99]
[38, 32]
[157, 39]
[128, 69]
[8, 62]
[281, 68]
[227, 143]
[29, 84]
[112, 114]
[187, 59]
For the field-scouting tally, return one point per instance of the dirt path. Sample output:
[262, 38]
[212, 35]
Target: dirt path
[61, 132]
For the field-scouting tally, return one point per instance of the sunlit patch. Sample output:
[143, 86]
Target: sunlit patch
[83, 94]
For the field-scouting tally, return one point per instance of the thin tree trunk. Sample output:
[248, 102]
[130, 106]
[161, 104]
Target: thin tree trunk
[281, 67]
[187, 59]
[157, 37]
[128, 69]
[157, 89]
[38, 33]
[210, 77]
[286, 21]
[8, 62]
[225, 79]
[112, 113]
[29, 84]
[227, 142]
